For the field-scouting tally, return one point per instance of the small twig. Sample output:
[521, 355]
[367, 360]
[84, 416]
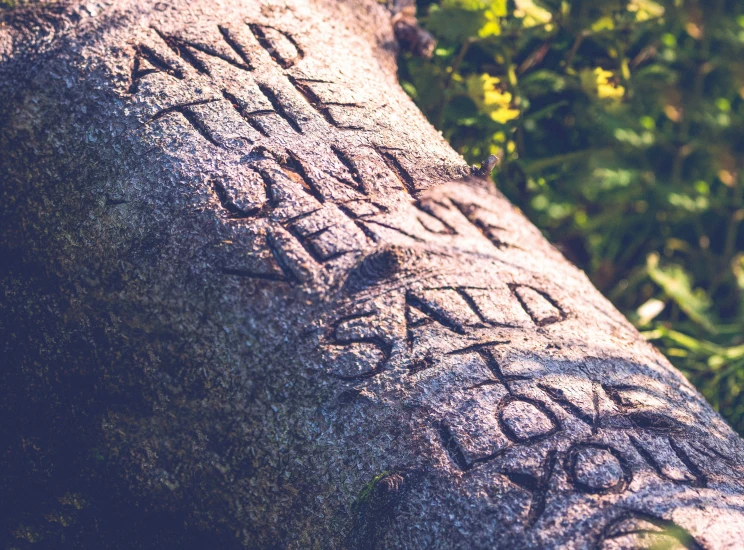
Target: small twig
[572, 52]
[486, 167]
[458, 60]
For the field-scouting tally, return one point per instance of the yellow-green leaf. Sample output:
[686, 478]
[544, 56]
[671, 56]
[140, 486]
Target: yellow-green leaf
[491, 97]
[602, 84]
[676, 283]
[645, 9]
[531, 14]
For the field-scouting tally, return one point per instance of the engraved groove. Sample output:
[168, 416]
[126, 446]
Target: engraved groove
[432, 313]
[182, 48]
[178, 108]
[493, 366]
[397, 229]
[248, 117]
[239, 272]
[304, 215]
[279, 108]
[478, 347]
[467, 297]
[156, 60]
[364, 229]
[654, 421]
[386, 348]
[427, 209]
[571, 463]
[397, 168]
[359, 223]
[268, 182]
[536, 486]
[450, 444]
[645, 419]
[482, 384]
[191, 117]
[234, 211]
[509, 430]
[275, 249]
[539, 498]
[181, 51]
[559, 397]
[529, 310]
[647, 456]
[305, 241]
[236, 46]
[350, 165]
[595, 405]
[471, 304]
[484, 228]
[491, 362]
[294, 164]
[319, 105]
[265, 42]
[316, 80]
[613, 392]
[699, 478]
[707, 450]
[197, 123]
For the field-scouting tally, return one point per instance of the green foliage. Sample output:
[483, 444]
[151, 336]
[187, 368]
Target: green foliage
[620, 125]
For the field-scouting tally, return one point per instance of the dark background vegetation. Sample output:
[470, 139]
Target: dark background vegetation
[620, 128]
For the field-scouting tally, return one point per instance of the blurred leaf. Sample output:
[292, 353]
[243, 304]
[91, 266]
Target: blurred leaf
[531, 14]
[603, 23]
[602, 84]
[645, 9]
[542, 82]
[496, 6]
[676, 284]
[649, 310]
[738, 269]
[490, 95]
[491, 27]
[458, 20]
[455, 25]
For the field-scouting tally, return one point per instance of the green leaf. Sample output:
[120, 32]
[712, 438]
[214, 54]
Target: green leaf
[498, 7]
[455, 25]
[676, 283]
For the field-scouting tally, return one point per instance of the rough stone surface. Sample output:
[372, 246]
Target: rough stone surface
[250, 293]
